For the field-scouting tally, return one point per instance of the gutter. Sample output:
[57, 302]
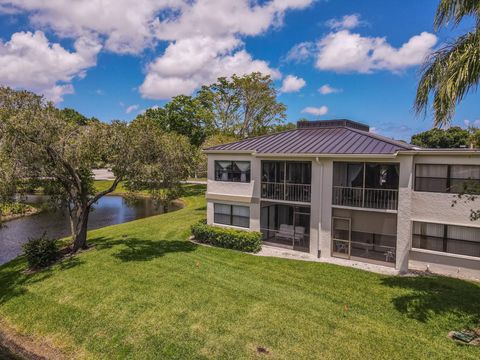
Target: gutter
[326, 156]
[233, 152]
[334, 156]
[439, 152]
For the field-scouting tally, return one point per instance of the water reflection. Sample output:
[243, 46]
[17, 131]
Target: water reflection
[109, 210]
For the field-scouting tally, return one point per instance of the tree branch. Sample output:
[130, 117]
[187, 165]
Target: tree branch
[105, 192]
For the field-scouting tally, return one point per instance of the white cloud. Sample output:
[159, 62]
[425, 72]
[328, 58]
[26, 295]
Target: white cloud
[131, 108]
[292, 83]
[344, 51]
[8, 10]
[190, 63]
[317, 111]
[346, 22]
[301, 52]
[216, 18]
[28, 60]
[128, 28]
[327, 89]
[474, 123]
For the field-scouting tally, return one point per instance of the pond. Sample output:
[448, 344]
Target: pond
[109, 210]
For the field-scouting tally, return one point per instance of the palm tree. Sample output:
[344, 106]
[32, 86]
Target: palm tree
[453, 71]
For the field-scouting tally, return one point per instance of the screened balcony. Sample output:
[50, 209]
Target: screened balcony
[286, 181]
[366, 185]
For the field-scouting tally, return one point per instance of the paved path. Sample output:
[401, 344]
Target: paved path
[298, 255]
[103, 174]
[106, 174]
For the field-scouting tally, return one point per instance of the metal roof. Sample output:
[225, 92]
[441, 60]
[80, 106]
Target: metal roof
[317, 140]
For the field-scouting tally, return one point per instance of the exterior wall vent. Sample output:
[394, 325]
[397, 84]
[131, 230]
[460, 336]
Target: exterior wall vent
[304, 124]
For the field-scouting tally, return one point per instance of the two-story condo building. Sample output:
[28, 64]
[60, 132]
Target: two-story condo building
[334, 189]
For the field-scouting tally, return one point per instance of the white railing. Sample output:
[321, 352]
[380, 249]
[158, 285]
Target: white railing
[386, 199]
[286, 191]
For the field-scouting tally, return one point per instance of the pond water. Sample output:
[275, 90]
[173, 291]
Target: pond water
[109, 210]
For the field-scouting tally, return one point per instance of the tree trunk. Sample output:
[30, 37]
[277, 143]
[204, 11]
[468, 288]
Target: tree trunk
[80, 233]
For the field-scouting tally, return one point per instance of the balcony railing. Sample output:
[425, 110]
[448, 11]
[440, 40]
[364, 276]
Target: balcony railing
[286, 191]
[386, 199]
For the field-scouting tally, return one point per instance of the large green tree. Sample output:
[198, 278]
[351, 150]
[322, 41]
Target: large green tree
[38, 141]
[453, 71]
[243, 105]
[453, 137]
[201, 158]
[184, 115]
[74, 116]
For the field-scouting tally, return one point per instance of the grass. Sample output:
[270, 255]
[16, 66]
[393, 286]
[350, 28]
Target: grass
[144, 292]
[14, 208]
[197, 179]
[101, 185]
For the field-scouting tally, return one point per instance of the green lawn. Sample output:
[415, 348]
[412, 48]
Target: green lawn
[144, 292]
[101, 185]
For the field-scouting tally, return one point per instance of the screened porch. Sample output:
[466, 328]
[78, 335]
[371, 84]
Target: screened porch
[285, 225]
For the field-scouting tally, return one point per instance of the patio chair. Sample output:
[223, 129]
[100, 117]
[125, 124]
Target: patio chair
[299, 233]
[389, 255]
[285, 232]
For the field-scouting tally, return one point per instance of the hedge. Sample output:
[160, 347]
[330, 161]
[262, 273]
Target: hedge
[248, 241]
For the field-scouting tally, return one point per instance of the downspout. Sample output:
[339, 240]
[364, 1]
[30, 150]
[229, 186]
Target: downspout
[319, 231]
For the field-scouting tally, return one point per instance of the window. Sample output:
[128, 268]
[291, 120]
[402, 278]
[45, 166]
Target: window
[447, 178]
[452, 239]
[237, 171]
[232, 215]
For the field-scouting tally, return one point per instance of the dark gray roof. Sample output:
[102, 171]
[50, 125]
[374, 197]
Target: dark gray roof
[321, 140]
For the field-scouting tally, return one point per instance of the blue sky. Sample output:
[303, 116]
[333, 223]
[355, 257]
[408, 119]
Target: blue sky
[113, 59]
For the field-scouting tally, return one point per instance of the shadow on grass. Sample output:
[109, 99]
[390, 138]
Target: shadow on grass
[14, 278]
[436, 295]
[133, 249]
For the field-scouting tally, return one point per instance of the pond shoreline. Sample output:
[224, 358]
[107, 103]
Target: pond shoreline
[109, 210]
[30, 212]
[35, 211]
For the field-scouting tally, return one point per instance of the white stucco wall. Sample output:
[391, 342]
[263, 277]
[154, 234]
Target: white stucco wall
[437, 208]
[413, 206]
[235, 193]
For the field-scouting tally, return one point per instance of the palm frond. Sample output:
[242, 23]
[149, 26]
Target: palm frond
[449, 73]
[456, 10]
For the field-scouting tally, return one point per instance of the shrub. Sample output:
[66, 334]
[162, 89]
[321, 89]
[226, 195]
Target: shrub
[14, 208]
[40, 252]
[249, 241]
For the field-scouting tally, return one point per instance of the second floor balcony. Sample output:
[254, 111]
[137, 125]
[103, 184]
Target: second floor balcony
[286, 181]
[386, 199]
[366, 185]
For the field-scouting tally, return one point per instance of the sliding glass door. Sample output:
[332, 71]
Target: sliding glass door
[286, 225]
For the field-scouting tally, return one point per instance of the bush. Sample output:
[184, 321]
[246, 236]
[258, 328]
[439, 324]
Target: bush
[13, 208]
[249, 241]
[40, 252]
